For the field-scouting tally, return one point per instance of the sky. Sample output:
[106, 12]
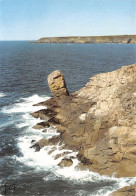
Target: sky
[33, 19]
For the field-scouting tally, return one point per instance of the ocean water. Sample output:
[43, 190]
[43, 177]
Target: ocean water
[24, 69]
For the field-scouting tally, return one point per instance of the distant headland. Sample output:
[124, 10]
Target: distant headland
[124, 39]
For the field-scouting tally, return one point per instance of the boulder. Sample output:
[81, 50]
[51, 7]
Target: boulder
[65, 162]
[40, 144]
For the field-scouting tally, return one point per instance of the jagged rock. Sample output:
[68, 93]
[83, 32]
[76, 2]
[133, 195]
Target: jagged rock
[44, 142]
[41, 125]
[65, 162]
[61, 155]
[40, 144]
[42, 113]
[57, 84]
[41, 116]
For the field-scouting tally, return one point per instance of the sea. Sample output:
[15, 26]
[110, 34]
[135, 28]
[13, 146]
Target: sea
[24, 69]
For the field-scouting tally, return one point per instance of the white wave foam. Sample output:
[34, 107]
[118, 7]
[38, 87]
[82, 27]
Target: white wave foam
[23, 109]
[2, 94]
[25, 105]
[36, 99]
[27, 121]
[20, 112]
[38, 160]
[42, 159]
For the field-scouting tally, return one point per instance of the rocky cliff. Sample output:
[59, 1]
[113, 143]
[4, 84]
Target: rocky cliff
[98, 121]
[125, 39]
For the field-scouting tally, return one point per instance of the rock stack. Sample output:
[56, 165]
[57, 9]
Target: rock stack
[57, 84]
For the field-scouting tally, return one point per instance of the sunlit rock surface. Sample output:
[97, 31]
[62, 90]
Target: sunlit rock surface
[98, 121]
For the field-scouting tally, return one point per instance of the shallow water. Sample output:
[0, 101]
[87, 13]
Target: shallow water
[23, 81]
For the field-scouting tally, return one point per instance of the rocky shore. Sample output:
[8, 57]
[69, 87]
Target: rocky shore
[98, 122]
[124, 39]
[126, 191]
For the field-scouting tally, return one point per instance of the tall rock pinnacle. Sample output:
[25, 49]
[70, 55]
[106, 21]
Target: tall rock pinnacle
[57, 84]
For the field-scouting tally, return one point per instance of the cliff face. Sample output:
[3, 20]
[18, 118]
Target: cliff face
[98, 121]
[110, 123]
[125, 39]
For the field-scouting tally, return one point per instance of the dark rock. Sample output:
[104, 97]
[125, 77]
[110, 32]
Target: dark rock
[41, 125]
[33, 141]
[40, 144]
[45, 131]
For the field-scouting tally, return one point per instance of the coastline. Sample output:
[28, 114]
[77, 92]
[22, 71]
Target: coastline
[98, 122]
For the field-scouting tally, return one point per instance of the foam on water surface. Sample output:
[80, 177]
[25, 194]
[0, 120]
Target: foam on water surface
[25, 105]
[2, 94]
[22, 109]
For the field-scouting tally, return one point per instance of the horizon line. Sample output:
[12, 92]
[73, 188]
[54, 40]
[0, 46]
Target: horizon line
[70, 36]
